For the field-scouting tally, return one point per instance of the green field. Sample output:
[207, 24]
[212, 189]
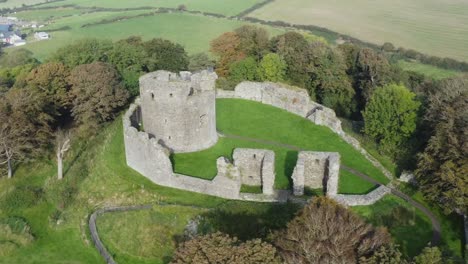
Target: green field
[192, 31]
[430, 26]
[259, 121]
[428, 70]
[18, 3]
[225, 7]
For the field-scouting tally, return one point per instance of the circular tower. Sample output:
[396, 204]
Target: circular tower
[180, 109]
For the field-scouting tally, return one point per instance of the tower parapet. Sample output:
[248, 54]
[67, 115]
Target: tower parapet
[179, 110]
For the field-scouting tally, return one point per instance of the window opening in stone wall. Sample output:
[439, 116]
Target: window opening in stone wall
[255, 156]
[152, 96]
[170, 95]
[191, 91]
[169, 137]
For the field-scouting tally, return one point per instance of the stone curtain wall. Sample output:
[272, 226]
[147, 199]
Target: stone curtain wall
[367, 199]
[180, 109]
[297, 101]
[256, 167]
[151, 159]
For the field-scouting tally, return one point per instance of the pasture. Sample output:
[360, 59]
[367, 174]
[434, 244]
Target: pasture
[194, 32]
[225, 7]
[429, 26]
[428, 70]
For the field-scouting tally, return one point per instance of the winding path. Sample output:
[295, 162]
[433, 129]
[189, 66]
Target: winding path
[436, 228]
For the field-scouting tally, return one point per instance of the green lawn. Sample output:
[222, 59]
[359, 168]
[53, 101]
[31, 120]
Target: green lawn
[146, 236]
[194, 32]
[410, 228]
[430, 26]
[225, 7]
[256, 120]
[428, 70]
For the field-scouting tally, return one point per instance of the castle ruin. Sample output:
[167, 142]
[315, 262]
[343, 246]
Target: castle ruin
[177, 113]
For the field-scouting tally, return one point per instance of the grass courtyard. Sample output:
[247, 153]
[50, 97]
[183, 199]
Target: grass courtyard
[255, 120]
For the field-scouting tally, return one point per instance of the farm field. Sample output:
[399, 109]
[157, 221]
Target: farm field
[18, 3]
[194, 32]
[424, 25]
[225, 7]
[428, 70]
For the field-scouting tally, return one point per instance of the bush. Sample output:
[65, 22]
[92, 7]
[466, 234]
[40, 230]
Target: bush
[22, 197]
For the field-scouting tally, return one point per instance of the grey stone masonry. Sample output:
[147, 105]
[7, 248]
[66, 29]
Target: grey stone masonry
[313, 170]
[257, 167]
[179, 110]
[366, 199]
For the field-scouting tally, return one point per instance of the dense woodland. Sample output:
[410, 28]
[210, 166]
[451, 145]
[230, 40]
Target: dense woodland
[421, 124]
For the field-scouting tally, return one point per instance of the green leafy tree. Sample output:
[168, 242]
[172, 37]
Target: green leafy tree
[330, 83]
[165, 55]
[443, 166]
[293, 48]
[326, 232]
[272, 68]
[254, 41]
[129, 60]
[83, 52]
[200, 61]
[388, 254]
[429, 255]
[220, 248]
[97, 94]
[390, 116]
[244, 70]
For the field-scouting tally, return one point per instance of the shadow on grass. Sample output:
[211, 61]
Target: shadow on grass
[289, 164]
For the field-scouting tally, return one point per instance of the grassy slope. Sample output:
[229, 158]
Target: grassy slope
[425, 25]
[252, 119]
[193, 31]
[18, 3]
[225, 7]
[428, 70]
[410, 227]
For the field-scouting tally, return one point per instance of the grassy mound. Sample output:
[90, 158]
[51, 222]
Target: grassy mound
[259, 121]
[14, 233]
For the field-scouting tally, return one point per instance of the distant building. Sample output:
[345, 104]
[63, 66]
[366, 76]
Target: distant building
[12, 38]
[41, 35]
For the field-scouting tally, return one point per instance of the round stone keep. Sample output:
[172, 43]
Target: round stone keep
[179, 110]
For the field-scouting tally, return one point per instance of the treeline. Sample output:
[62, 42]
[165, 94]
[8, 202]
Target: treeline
[80, 87]
[403, 53]
[419, 123]
[322, 232]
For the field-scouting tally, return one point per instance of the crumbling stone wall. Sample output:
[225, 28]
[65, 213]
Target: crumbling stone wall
[180, 109]
[314, 170]
[256, 167]
[366, 199]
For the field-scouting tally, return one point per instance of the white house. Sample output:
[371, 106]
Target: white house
[41, 35]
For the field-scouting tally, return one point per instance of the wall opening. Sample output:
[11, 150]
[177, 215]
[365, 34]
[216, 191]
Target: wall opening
[191, 91]
[152, 96]
[170, 95]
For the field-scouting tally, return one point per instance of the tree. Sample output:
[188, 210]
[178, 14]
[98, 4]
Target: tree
[62, 145]
[51, 79]
[227, 48]
[165, 55]
[182, 8]
[220, 248]
[330, 83]
[293, 48]
[429, 255]
[83, 52]
[129, 60]
[388, 254]
[254, 41]
[272, 68]
[390, 116]
[443, 165]
[388, 47]
[373, 71]
[200, 61]
[17, 58]
[244, 70]
[97, 94]
[24, 126]
[325, 232]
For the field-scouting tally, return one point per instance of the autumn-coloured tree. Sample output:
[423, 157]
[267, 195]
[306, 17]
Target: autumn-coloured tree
[97, 94]
[254, 41]
[227, 48]
[51, 79]
[221, 248]
[326, 232]
[24, 126]
[388, 254]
